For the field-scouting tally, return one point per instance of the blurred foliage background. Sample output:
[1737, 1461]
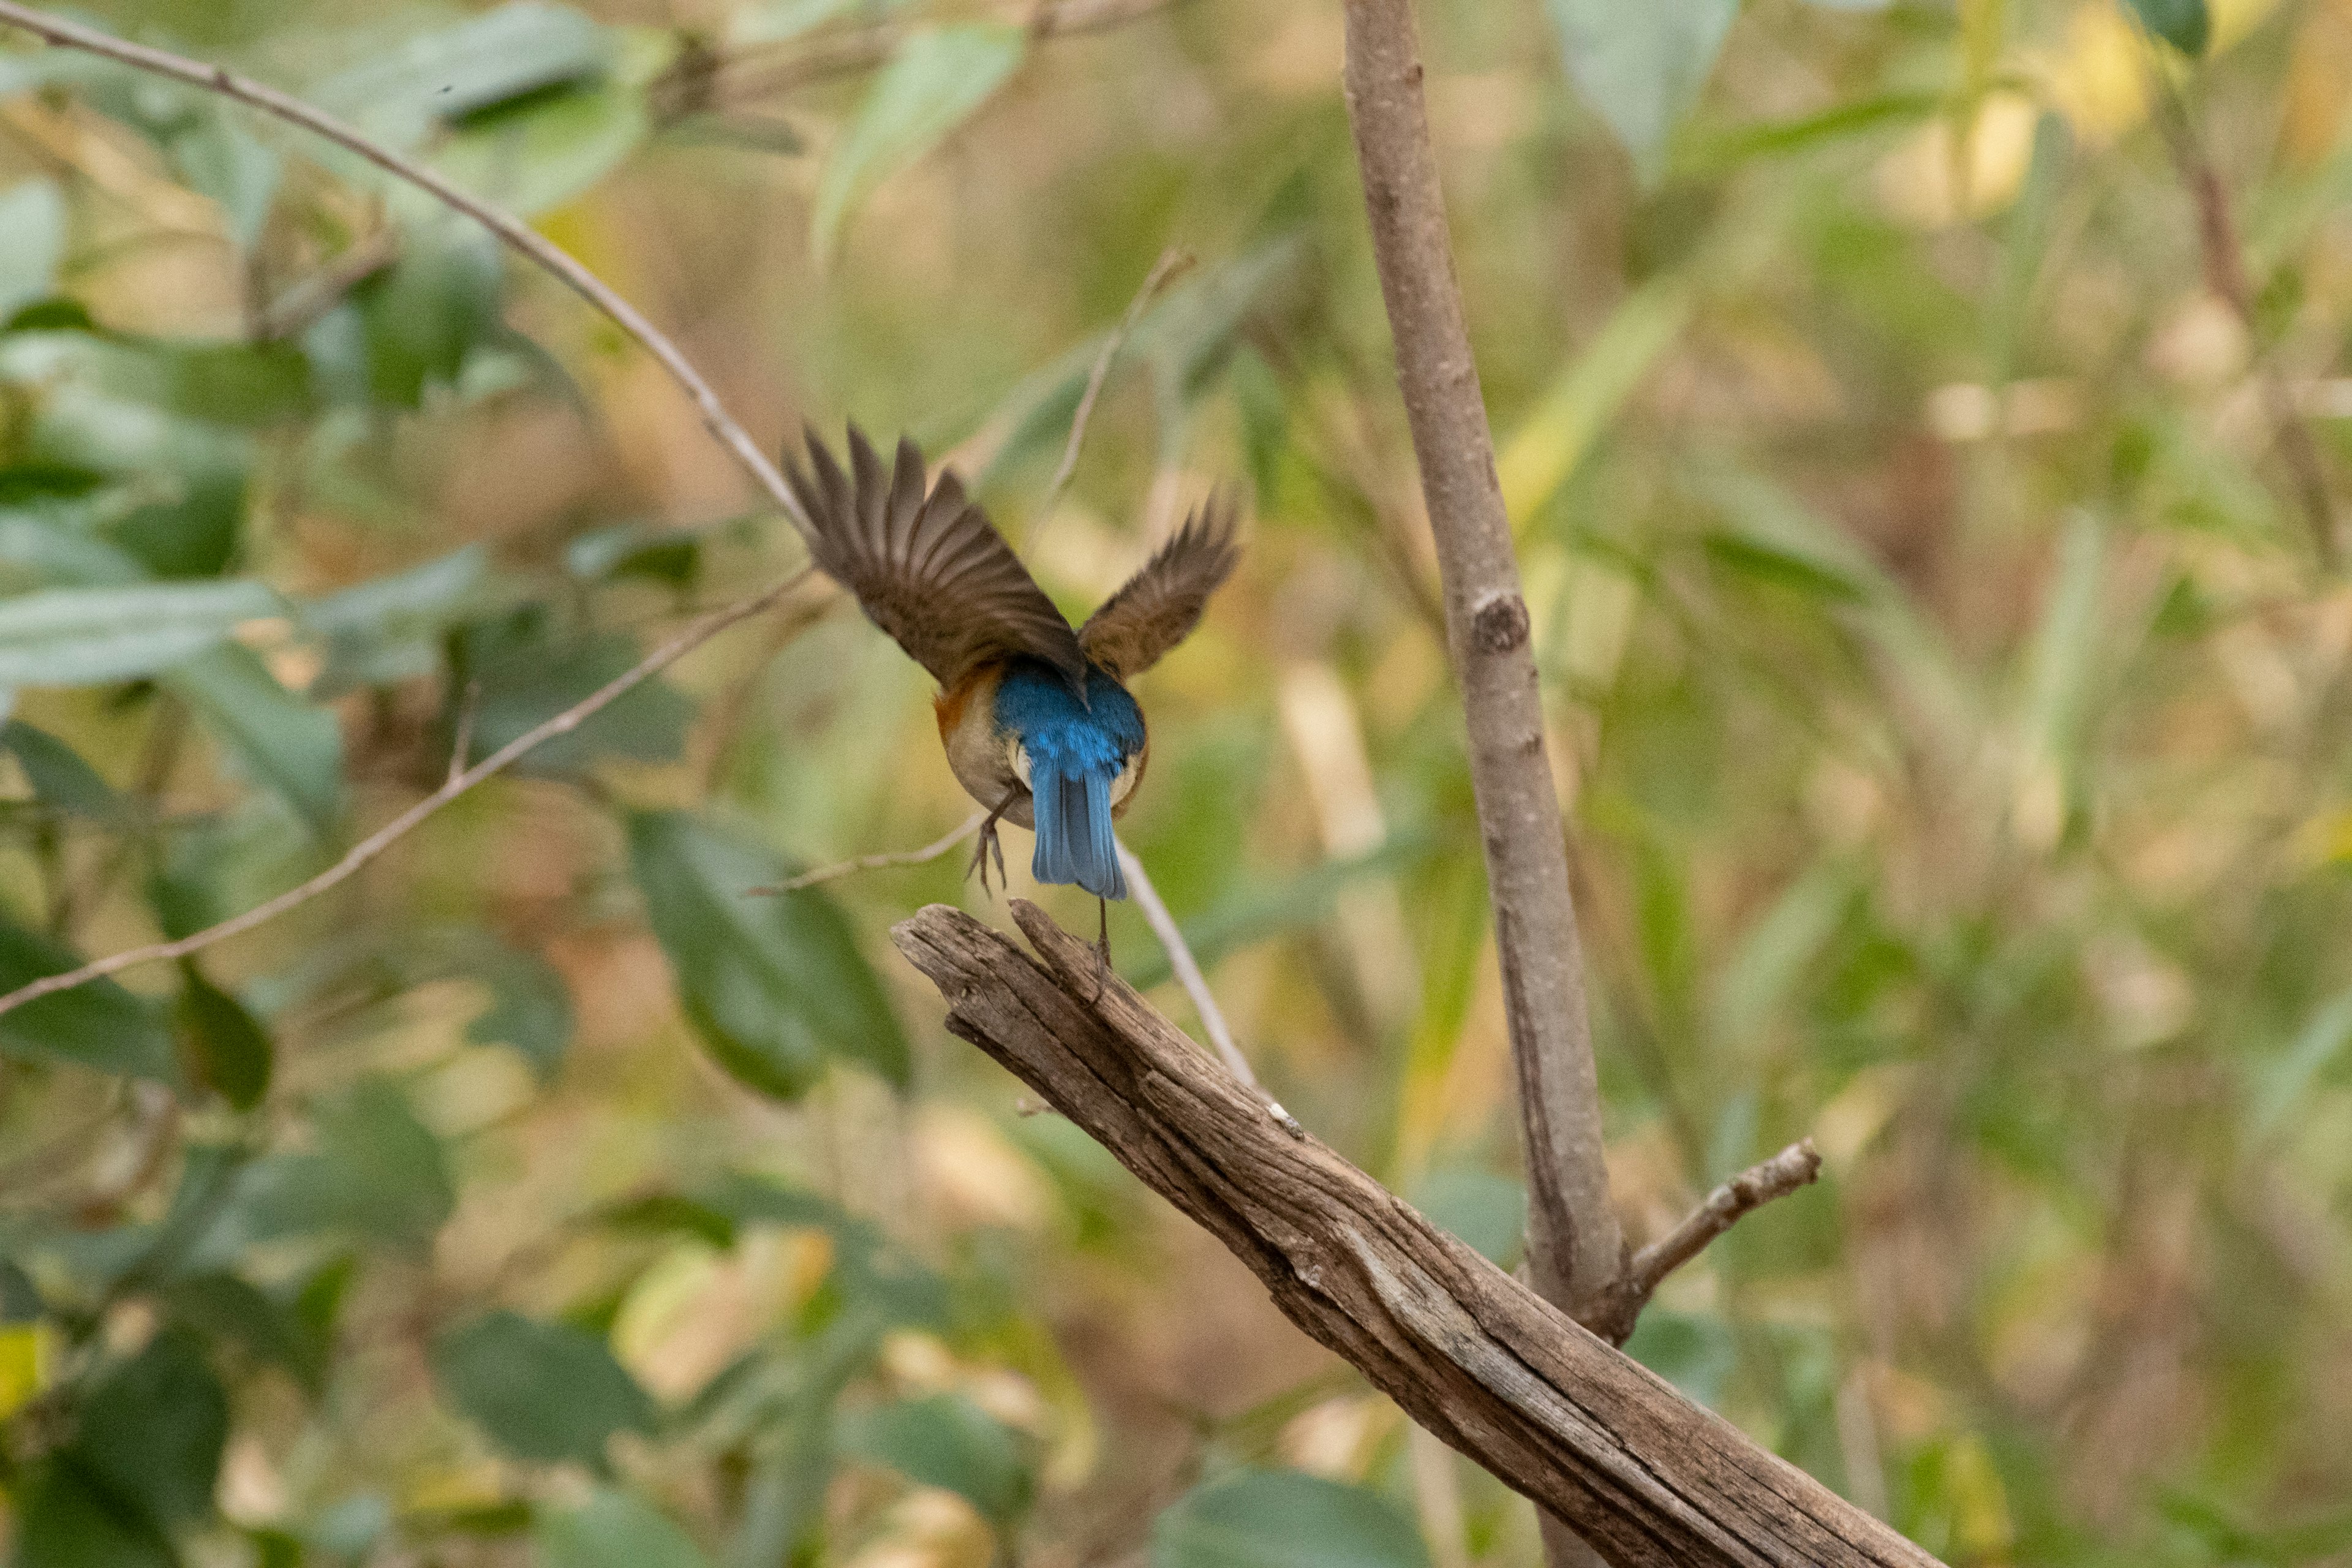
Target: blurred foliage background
[1943, 670]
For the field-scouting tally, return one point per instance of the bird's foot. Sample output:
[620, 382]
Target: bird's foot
[989, 844]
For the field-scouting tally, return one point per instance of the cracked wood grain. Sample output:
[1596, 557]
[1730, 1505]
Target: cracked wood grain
[1481, 1360]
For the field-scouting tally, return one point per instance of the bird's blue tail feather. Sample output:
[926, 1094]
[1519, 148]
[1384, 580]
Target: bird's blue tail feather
[1075, 841]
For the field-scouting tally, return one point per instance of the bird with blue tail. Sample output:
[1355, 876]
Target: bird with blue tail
[1037, 720]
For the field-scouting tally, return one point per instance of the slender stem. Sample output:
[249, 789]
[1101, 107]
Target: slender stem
[1171, 262]
[1196, 984]
[515, 234]
[1575, 1249]
[391, 833]
[1574, 1242]
[928, 853]
[1797, 1165]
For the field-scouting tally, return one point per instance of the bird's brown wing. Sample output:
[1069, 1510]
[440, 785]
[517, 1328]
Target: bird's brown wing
[930, 568]
[1162, 603]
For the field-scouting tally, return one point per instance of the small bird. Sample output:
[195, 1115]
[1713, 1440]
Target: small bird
[1038, 723]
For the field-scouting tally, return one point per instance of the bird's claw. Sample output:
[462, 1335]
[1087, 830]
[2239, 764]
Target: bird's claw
[988, 842]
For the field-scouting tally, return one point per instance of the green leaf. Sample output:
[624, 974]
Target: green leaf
[226, 1048]
[150, 1431]
[33, 216]
[1486, 1210]
[541, 1391]
[86, 636]
[1772, 956]
[530, 1007]
[1641, 65]
[64, 1521]
[389, 628]
[539, 154]
[939, 77]
[612, 1530]
[423, 316]
[774, 985]
[99, 1024]
[57, 774]
[226, 1309]
[378, 1173]
[946, 1441]
[1281, 1519]
[283, 743]
[2279, 1084]
[2186, 25]
[220, 158]
[526, 674]
[502, 55]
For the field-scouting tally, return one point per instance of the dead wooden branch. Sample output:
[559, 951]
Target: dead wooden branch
[1476, 1357]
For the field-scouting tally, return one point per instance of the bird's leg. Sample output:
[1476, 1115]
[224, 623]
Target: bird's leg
[988, 841]
[1102, 937]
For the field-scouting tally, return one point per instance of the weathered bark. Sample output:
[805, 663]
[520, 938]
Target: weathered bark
[1476, 1357]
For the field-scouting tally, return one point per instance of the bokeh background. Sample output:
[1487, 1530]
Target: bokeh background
[1943, 674]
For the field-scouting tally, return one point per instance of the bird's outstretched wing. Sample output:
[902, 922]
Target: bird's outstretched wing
[1162, 603]
[930, 569]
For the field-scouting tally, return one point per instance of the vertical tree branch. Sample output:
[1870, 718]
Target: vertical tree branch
[1575, 1249]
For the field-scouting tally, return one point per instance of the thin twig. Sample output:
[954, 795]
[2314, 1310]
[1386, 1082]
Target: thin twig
[1196, 984]
[2225, 275]
[1796, 1166]
[383, 837]
[515, 234]
[927, 854]
[1172, 261]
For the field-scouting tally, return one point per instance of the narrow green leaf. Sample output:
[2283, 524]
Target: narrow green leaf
[612, 1530]
[935, 82]
[501, 55]
[527, 672]
[99, 1024]
[1282, 1519]
[86, 636]
[2186, 25]
[537, 155]
[529, 1010]
[774, 985]
[946, 1441]
[283, 743]
[1771, 957]
[2280, 1082]
[1641, 65]
[378, 1173]
[57, 774]
[541, 1391]
[226, 1048]
[1555, 436]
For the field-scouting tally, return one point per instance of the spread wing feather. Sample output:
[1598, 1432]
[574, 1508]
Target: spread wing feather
[1160, 605]
[928, 569]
